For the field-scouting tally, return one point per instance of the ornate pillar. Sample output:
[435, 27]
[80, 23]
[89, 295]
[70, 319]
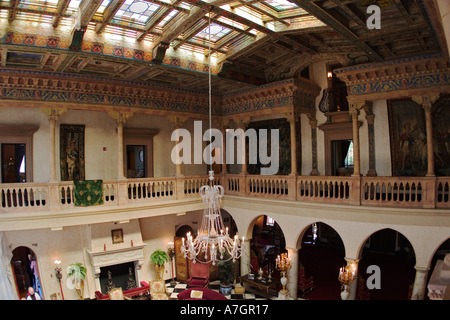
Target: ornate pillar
[427, 102]
[368, 106]
[354, 112]
[291, 117]
[292, 284]
[313, 124]
[420, 283]
[121, 118]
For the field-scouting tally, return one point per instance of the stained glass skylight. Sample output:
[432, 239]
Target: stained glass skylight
[281, 5]
[167, 18]
[140, 11]
[217, 32]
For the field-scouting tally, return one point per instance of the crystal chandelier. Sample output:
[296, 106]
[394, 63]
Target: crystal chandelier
[213, 242]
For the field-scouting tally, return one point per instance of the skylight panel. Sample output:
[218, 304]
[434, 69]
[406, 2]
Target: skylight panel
[217, 32]
[103, 6]
[281, 5]
[139, 11]
[74, 4]
[164, 21]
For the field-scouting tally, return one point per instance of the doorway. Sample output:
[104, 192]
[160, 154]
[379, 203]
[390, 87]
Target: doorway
[13, 162]
[136, 161]
[26, 272]
[342, 157]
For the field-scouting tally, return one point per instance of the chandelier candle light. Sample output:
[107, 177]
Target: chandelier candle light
[346, 276]
[213, 242]
[283, 264]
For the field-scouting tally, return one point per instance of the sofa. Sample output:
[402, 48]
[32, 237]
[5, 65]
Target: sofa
[200, 294]
[144, 289]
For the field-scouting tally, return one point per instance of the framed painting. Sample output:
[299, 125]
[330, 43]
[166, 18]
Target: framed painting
[117, 236]
[72, 161]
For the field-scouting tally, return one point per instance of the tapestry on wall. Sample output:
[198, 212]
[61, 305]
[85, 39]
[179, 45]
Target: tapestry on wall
[72, 161]
[88, 193]
[409, 140]
[284, 143]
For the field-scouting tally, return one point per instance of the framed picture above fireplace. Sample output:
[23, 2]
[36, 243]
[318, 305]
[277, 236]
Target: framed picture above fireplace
[117, 236]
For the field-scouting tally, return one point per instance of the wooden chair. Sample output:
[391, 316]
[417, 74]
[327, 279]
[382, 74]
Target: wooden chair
[305, 285]
[158, 290]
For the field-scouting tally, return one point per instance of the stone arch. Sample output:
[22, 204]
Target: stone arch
[394, 256]
[24, 277]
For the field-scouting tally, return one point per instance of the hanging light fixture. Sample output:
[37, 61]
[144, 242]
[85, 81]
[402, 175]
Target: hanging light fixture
[213, 242]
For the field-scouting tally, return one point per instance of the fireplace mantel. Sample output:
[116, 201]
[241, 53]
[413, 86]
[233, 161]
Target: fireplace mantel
[117, 256]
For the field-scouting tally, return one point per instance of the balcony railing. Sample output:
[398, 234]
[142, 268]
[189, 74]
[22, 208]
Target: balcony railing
[422, 192]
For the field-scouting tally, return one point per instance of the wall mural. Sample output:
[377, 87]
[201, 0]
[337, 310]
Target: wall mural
[72, 161]
[409, 140]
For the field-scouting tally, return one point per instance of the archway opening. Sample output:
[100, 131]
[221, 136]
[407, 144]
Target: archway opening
[394, 255]
[26, 272]
[321, 255]
[266, 244]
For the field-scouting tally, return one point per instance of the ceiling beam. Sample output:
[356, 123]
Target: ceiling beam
[336, 24]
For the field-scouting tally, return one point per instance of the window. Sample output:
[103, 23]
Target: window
[349, 156]
[13, 163]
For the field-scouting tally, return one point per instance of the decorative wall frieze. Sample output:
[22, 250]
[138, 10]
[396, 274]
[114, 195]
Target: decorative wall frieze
[57, 90]
[394, 79]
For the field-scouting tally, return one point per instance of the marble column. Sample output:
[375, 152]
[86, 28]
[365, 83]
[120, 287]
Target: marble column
[292, 273]
[356, 153]
[243, 125]
[291, 118]
[427, 103]
[420, 283]
[52, 119]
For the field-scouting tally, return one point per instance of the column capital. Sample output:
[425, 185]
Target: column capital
[291, 116]
[53, 114]
[120, 116]
[426, 100]
[176, 121]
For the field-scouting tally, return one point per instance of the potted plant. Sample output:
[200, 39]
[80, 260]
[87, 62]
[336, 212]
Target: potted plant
[159, 258]
[77, 274]
[226, 276]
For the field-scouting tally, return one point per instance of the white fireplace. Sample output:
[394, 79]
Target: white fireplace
[107, 258]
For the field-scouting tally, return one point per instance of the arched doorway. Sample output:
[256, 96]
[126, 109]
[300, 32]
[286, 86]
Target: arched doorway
[393, 254]
[26, 271]
[322, 254]
[266, 244]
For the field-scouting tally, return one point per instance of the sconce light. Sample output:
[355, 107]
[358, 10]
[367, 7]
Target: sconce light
[171, 252]
[329, 74]
[58, 270]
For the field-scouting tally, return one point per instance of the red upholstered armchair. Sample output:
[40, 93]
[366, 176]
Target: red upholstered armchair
[199, 276]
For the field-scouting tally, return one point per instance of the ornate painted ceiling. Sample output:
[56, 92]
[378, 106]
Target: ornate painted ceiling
[248, 42]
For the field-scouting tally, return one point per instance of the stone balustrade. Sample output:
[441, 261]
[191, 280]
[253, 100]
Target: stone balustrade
[411, 192]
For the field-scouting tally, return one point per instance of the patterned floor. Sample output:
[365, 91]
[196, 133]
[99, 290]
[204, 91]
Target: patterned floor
[249, 294]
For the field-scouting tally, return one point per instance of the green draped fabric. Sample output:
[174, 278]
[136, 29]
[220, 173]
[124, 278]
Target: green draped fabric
[88, 192]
